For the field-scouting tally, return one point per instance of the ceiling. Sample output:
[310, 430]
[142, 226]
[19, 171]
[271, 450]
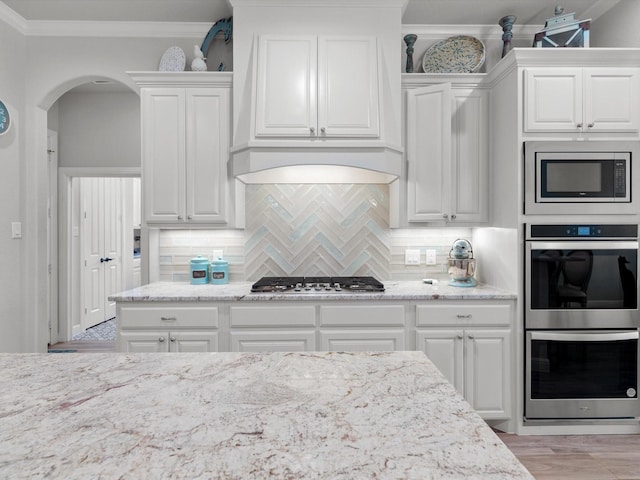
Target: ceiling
[427, 12]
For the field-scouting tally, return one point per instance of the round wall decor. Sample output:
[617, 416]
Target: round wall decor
[5, 119]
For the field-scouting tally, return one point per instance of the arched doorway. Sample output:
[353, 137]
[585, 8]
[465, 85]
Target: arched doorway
[96, 122]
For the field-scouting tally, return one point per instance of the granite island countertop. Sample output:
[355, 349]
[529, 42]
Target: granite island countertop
[241, 416]
[241, 292]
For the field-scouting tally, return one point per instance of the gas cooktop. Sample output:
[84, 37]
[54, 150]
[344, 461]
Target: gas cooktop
[317, 284]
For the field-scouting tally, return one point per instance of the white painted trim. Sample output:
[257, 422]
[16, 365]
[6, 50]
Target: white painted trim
[99, 171]
[320, 3]
[482, 32]
[84, 28]
[13, 19]
[182, 79]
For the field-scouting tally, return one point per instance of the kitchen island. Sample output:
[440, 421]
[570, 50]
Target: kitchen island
[241, 415]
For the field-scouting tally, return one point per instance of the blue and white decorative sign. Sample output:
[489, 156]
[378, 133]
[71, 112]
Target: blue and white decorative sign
[5, 120]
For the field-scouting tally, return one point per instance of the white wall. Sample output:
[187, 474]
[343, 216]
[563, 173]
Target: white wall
[618, 27]
[12, 280]
[99, 130]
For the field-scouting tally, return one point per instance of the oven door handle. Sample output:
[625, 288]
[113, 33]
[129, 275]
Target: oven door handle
[583, 245]
[585, 337]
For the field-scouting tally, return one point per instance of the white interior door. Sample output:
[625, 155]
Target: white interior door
[102, 247]
[112, 243]
[93, 247]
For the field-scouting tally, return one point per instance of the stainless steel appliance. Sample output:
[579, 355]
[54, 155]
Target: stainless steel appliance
[317, 284]
[581, 322]
[580, 177]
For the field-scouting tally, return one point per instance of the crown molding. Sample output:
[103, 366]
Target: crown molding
[11, 18]
[83, 28]
[482, 32]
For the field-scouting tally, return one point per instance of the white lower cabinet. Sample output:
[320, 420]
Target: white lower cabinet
[272, 328]
[471, 346]
[167, 328]
[168, 341]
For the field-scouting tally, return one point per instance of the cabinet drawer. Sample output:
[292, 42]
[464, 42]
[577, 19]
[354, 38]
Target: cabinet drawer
[168, 317]
[273, 316]
[362, 340]
[361, 315]
[475, 314]
[273, 341]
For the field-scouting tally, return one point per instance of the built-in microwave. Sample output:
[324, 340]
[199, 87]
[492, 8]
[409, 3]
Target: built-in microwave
[580, 177]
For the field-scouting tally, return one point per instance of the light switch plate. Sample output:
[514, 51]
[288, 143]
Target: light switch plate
[16, 229]
[411, 257]
[431, 257]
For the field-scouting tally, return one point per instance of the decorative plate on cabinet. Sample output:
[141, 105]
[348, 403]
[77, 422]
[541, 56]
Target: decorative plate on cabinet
[459, 54]
[5, 118]
[173, 60]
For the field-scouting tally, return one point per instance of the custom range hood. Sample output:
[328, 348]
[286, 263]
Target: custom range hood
[317, 91]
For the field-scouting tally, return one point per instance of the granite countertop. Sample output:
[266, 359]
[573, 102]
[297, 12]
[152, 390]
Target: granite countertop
[394, 290]
[241, 416]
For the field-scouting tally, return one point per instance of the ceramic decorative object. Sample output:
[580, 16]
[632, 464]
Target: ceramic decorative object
[5, 118]
[458, 54]
[410, 40]
[563, 30]
[506, 23]
[198, 64]
[224, 25]
[173, 60]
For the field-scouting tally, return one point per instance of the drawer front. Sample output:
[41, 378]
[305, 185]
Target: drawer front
[273, 341]
[362, 341]
[273, 316]
[362, 315]
[168, 317]
[475, 314]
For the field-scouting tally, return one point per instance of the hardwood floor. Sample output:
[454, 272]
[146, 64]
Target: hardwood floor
[584, 457]
[547, 457]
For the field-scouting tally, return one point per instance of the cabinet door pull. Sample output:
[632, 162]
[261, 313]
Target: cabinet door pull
[445, 216]
[579, 125]
[590, 125]
[173, 339]
[460, 336]
[470, 336]
[453, 217]
[463, 316]
[312, 130]
[161, 339]
[179, 217]
[189, 217]
[168, 319]
[323, 131]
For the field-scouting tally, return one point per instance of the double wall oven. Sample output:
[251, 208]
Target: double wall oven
[581, 322]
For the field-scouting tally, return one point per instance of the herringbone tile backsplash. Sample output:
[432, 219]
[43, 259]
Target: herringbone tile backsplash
[311, 230]
[339, 230]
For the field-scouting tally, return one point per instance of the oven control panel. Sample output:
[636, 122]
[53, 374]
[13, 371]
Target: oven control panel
[584, 231]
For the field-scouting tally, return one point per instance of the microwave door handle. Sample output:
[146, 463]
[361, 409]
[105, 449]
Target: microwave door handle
[585, 337]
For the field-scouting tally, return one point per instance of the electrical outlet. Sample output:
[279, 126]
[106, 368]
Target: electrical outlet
[217, 254]
[411, 257]
[431, 257]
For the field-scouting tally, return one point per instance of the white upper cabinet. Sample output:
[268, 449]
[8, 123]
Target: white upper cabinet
[582, 100]
[447, 155]
[317, 87]
[185, 148]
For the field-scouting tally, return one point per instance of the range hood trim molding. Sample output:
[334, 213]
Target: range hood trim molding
[365, 164]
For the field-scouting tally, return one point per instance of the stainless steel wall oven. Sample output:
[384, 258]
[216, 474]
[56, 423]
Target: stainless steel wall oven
[581, 322]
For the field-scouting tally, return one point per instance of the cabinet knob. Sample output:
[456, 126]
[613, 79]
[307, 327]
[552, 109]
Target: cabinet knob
[453, 217]
[579, 125]
[323, 130]
[590, 125]
[470, 336]
[445, 216]
[460, 336]
[161, 339]
[312, 130]
[179, 217]
[173, 339]
[189, 217]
